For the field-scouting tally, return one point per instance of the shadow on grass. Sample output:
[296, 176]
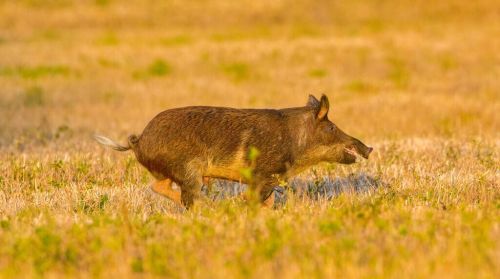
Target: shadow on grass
[316, 189]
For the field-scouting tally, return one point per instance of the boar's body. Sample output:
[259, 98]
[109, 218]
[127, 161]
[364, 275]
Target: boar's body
[214, 142]
[186, 144]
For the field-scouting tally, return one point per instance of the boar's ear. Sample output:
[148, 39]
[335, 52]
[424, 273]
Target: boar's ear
[324, 106]
[312, 102]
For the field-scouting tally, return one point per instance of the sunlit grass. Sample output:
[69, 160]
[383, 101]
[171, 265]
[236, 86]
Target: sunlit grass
[436, 204]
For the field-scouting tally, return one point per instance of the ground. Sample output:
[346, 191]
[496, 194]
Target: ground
[419, 81]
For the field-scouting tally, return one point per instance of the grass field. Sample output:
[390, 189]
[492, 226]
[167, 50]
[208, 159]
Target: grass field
[417, 80]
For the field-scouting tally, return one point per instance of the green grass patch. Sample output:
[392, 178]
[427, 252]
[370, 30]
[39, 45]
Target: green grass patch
[358, 86]
[447, 62]
[398, 72]
[102, 3]
[49, 35]
[108, 39]
[256, 32]
[157, 68]
[110, 96]
[107, 63]
[237, 71]
[179, 40]
[44, 4]
[36, 72]
[317, 73]
[305, 30]
[374, 25]
[33, 96]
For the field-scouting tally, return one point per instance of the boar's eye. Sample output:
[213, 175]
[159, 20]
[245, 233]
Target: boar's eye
[330, 128]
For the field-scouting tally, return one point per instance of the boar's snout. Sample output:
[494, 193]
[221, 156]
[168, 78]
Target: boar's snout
[362, 149]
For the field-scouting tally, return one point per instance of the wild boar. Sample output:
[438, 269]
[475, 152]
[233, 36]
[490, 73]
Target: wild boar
[186, 145]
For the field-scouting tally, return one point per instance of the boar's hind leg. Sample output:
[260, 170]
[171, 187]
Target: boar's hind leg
[164, 188]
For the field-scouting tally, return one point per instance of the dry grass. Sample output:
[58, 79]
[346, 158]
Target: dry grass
[419, 81]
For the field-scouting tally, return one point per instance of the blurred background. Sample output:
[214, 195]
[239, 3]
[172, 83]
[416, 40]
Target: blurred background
[392, 69]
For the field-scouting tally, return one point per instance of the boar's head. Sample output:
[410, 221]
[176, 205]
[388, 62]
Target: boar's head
[328, 141]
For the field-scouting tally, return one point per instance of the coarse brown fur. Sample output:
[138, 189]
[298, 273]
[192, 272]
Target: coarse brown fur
[184, 145]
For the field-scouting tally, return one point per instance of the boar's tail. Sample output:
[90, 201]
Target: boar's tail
[132, 140]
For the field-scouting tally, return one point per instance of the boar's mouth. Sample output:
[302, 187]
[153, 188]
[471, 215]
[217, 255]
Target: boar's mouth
[351, 153]
[351, 150]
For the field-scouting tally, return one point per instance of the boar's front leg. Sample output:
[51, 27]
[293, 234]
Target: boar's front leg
[265, 189]
[190, 190]
[269, 201]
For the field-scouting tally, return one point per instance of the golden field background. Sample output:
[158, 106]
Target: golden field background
[418, 80]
